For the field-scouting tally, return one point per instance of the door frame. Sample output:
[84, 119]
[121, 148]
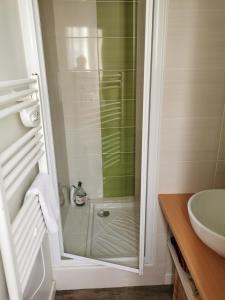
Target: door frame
[155, 40]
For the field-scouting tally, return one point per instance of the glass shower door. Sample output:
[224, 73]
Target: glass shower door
[94, 53]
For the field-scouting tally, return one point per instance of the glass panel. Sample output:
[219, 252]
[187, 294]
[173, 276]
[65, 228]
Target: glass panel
[91, 61]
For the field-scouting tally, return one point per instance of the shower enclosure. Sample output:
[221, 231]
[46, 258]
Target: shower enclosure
[94, 58]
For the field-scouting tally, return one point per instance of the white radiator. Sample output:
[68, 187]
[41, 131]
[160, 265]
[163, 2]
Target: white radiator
[21, 239]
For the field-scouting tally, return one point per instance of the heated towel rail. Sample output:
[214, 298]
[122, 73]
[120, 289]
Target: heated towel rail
[20, 238]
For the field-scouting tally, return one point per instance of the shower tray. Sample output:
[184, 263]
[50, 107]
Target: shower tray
[112, 238]
[116, 235]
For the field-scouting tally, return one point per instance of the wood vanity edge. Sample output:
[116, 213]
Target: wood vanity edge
[206, 267]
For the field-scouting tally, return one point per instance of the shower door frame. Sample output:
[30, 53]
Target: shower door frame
[155, 24]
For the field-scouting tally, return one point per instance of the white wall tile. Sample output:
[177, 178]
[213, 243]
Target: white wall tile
[222, 143]
[88, 169]
[219, 182]
[198, 4]
[75, 18]
[195, 49]
[189, 139]
[76, 42]
[84, 142]
[200, 21]
[79, 86]
[84, 114]
[189, 99]
[194, 97]
[194, 76]
[195, 38]
[75, 30]
[186, 177]
[77, 54]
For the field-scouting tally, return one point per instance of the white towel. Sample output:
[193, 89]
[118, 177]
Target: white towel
[43, 187]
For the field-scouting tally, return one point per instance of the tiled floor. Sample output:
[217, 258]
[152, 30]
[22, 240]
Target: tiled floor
[130, 293]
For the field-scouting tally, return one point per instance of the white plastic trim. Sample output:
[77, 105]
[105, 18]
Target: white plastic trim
[156, 96]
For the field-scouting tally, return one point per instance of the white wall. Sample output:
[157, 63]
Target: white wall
[193, 131]
[12, 62]
[12, 57]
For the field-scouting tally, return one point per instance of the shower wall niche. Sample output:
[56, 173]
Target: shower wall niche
[90, 52]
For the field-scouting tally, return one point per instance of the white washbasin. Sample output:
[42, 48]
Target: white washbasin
[206, 211]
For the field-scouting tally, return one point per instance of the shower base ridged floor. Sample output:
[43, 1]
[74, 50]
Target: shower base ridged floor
[114, 236]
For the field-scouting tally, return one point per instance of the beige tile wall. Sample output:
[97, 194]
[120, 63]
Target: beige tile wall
[192, 132]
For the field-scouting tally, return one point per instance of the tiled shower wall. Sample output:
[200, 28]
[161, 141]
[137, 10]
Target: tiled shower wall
[116, 22]
[193, 128]
[90, 56]
[78, 79]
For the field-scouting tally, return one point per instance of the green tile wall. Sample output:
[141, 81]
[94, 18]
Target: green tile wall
[116, 19]
[116, 22]
[118, 164]
[116, 53]
[118, 113]
[112, 91]
[112, 142]
[118, 186]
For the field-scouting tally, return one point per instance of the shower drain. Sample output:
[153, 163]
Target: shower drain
[103, 213]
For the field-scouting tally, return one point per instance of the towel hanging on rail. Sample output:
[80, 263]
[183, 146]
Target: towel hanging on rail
[42, 186]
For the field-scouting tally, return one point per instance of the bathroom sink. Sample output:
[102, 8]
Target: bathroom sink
[206, 211]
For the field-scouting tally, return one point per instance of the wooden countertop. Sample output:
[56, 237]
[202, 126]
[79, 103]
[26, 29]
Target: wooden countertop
[206, 267]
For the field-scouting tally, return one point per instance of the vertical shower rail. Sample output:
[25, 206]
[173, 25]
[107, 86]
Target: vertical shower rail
[20, 238]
